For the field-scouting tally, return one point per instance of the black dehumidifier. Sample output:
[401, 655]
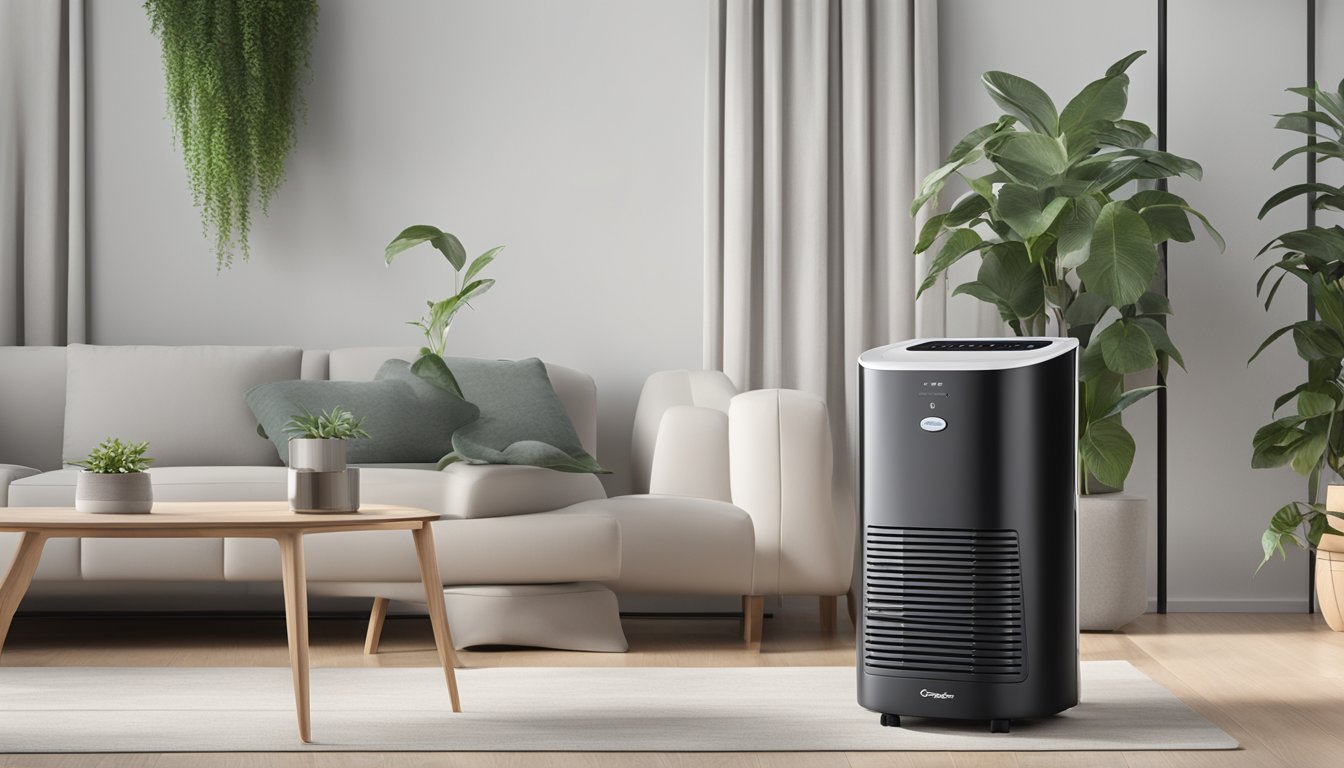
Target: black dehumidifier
[968, 486]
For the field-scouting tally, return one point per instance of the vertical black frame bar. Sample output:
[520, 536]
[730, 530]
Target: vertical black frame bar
[1311, 222]
[1166, 285]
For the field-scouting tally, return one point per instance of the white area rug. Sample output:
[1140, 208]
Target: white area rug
[579, 709]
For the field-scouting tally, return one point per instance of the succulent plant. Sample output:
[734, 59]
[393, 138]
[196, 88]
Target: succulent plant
[336, 424]
[113, 457]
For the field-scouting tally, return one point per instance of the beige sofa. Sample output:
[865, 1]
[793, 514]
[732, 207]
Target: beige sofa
[529, 554]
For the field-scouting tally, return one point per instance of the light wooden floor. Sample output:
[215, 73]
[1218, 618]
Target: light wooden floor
[1275, 682]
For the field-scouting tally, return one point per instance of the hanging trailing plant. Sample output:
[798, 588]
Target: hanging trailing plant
[234, 71]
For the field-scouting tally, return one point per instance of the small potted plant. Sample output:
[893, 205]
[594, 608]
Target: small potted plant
[319, 480]
[318, 441]
[114, 480]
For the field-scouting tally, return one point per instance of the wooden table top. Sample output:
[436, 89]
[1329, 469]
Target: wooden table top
[233, 515]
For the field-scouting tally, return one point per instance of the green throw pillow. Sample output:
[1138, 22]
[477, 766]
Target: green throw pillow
[522, 420]
[406, 423]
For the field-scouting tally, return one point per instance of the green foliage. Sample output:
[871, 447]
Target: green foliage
[113, 457]
[234, 71]
[439, 321]
[1311, 438]
[1057, 242]
[336, 424]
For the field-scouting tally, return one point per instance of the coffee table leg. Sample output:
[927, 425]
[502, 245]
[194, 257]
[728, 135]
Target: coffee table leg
[296, 622]
[19, 576]
[438, 612]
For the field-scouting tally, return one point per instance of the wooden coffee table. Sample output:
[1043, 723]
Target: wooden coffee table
[265, 520]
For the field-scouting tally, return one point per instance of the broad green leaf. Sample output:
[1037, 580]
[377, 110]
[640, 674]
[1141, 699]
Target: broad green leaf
[957, 245]
[976, 138]
[434, 370]
[1075, 232]
[1101, 101]
[1272, 444]
[933, 183]
[1031, 158]
[1157, 333]
[1107, 451]
[930, 232]
[1122, 261]
[1126, 348]
[1165, 215]
[1286, 519]
[1318, 527]
[480, 262]
[1321, 149]
[1024, 210]
[1023, 98]
[1127, 399]
[1311, 404]
[1317, 341]
[1007, 272]
[1288, 193]
[1269, 340]
[1124, 134]
[1308, 122]
[1307, 453]
[1323, 242]
[1120, 66]
[1272, 541]
[1153, 303]
[446, 243]
[970, 206]
[1086, 309]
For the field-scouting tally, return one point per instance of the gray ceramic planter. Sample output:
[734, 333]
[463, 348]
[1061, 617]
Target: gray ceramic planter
[317, 455]
[113, 493]
[1112, 560]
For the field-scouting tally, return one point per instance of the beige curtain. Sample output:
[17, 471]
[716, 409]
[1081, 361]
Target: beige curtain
[823, 117]
[43, 269]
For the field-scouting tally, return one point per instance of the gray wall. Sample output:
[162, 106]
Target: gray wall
[571, 133]
[1223, 88]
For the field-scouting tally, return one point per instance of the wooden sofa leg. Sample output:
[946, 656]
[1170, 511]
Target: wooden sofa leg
[753, 615]
[827, 604]
[376, 618]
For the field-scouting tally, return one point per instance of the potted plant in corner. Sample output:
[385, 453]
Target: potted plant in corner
[1310, 437]
[1067, 242]
[113, 479]
[319, 478]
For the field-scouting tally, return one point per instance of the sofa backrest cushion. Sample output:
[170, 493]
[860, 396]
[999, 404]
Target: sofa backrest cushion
[186, 401]
[576, 389]
[32, 406]
[664, 390]
[406, 423]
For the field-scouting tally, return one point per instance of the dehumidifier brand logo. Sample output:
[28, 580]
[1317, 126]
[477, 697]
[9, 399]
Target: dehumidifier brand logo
[926, 693]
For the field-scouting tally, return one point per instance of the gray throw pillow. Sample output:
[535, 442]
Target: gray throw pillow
[406, 423]
[522, 420]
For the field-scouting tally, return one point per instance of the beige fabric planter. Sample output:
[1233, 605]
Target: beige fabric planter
[1330, 580]
[1112, 560]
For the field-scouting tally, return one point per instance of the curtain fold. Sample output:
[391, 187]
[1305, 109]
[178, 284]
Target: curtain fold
[822, 120]
[43, 265]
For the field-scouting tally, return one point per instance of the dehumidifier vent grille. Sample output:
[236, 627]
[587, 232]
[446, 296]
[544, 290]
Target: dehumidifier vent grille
[943, 603]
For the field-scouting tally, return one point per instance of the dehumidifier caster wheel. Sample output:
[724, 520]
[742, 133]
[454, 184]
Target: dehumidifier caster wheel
[999, 726]
[891, 721]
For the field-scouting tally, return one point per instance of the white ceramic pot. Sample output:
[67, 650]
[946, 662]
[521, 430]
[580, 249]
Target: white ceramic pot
[1112, 560]
[113, 493]
[317, 455]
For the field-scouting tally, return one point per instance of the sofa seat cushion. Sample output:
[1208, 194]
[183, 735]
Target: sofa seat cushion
[545, 548]
[678, 545]
[498, 490]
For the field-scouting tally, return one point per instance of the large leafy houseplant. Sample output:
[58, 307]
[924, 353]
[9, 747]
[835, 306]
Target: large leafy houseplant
[234, 71]
[1060, 248]
[1310, 438]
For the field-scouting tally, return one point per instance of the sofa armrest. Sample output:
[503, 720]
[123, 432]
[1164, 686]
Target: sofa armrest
[690, 456]
[780, 459]
[8, 474]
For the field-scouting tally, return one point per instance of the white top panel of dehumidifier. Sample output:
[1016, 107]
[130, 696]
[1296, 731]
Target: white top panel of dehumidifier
[965, 354]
